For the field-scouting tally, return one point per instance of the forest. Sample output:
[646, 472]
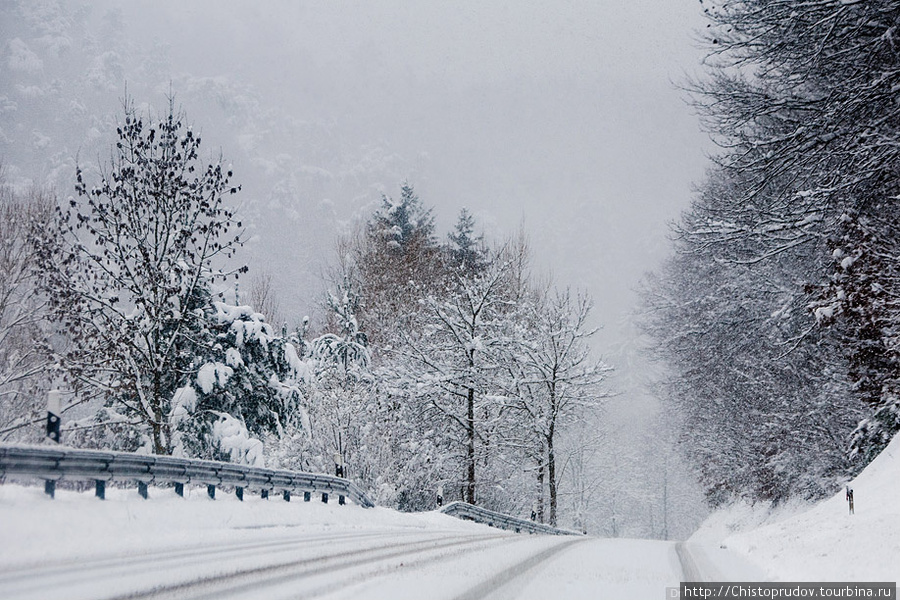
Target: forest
[776, 316]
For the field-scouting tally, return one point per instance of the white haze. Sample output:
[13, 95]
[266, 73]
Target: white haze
[561, 118]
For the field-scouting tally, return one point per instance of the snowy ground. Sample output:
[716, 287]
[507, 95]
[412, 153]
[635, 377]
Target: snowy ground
[822, 542]
[78, 547]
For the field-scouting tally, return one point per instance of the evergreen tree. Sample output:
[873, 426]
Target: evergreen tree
[398, 263]
[403, 226]
[466, 250]
[248, 382]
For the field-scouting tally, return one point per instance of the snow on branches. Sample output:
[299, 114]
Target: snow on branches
[130, 259]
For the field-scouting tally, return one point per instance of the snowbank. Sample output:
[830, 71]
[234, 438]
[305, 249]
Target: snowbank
[76, 525]
[823, 542]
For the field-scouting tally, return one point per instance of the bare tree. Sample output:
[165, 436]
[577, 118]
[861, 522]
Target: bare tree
[561, 377]
[264, 299]
[456, 355]
[24, 363]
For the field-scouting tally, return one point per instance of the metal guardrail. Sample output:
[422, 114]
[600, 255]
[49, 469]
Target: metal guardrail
[54, 464]
[464, 510]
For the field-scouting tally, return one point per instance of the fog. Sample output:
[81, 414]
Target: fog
[561, 119]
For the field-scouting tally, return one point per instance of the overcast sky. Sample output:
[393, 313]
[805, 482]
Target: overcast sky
[563, 117]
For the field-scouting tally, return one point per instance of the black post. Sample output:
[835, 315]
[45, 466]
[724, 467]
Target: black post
[264, 494]
[100, 490]
[142, 489]
[325, 497]
[211, 492]
[179, 489]
[287, 495]
[307, 496]
[339, 472]
[53, 412]
[53, 427]
[50, 488]
[239, 492]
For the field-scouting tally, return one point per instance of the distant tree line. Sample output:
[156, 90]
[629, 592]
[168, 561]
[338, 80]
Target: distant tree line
[442, 365]
[778, 316]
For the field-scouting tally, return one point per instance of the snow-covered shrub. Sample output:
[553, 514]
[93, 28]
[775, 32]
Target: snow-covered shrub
[248, 383]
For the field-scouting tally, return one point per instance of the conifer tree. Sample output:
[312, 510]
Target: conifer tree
[466, 249]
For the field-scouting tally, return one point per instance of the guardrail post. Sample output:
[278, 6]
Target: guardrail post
[264, 494]
[287, 495]
[52, 465]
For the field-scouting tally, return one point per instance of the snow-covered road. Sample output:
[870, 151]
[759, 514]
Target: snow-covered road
[77, 547]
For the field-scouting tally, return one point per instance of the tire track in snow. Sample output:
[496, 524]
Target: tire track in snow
[388, 568]
[253, 582]
[79, 565]
[37, 581]
[503, 578]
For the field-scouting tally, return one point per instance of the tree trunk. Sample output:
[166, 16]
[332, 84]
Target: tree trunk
[160, 445]
[162, 437]
[540, 488]
[470, 448]
[551, 473]
[551, 455]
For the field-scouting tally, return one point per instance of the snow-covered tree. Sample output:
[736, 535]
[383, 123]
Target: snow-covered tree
[762, 391]
[777, 316]
[560, 379]
[348, 349]
[803, 98]
[468, 384]
[454, 358]
[247, 382]
[466, 250]
[345, 406]
[398, 262]
[139, 248]
[24, 366]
